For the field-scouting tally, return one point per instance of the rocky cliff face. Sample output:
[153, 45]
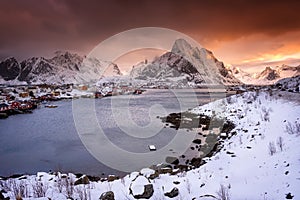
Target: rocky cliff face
[186, 63]
[9, 69]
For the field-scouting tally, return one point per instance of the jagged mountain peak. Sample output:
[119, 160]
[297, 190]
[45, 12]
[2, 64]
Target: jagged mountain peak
[66, 55]
[10, 59]
[269, 74]
[186, 63]
[269, 69]
[181, 46]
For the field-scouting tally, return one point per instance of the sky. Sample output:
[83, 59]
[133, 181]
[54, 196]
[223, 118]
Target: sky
[248, 34]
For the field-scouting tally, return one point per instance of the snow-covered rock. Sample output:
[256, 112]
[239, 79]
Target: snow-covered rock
[141, 188]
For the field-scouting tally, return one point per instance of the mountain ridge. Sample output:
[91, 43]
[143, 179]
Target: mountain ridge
[62, 68]
[269, 75]
[182, 65]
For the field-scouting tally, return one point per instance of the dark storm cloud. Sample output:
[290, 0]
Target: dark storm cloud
[35, 27]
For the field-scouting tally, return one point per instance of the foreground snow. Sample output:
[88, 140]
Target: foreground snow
[245, 167]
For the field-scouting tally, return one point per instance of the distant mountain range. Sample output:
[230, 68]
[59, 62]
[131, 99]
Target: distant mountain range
[64, 67]
[183, 65]
[269, 75]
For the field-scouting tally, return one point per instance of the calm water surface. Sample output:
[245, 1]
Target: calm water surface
[47, 139]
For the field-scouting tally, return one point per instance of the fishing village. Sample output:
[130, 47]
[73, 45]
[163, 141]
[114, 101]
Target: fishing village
[24, 98]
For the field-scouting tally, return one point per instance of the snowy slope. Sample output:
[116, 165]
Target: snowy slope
[254, 172]
[242, 75]
[292, 84]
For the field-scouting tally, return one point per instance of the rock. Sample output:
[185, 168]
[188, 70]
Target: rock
[230, 153]
[3, 115]
[173, 193]
[165, 170]
[172, 160]
[2, 197]
[289, 196]
[197, 162]
[286, 173]
[153, 176]
[107, 196]
[197, 141]
[181, 167]
[112, 178]
[141, 188]
[148, 192]
[94, 178]
[82, 180]
[176, 182]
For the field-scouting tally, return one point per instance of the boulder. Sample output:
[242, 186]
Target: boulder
[82, 180]
[111, 178]
[173, 193]
[172, 160]
[197, 141]
[148, 192]
[289, 196]
[107, 196]
[2, 196]
[141, 188]
[196, 162]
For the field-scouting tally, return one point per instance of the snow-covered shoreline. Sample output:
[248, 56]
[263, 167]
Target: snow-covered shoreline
[260, 162]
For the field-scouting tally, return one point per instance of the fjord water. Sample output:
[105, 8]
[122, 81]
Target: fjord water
[48, 140]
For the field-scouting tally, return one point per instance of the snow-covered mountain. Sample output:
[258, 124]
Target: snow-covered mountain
[185, 64]
[268, 76]
[64, 67]
[288, 71]
[290, 84]
[241, 75]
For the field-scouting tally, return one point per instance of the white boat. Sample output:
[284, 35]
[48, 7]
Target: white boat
[152, 147]
[51, 106]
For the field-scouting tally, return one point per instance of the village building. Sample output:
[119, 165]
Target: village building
[24, 94]
[4, 107]
[82, 87]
